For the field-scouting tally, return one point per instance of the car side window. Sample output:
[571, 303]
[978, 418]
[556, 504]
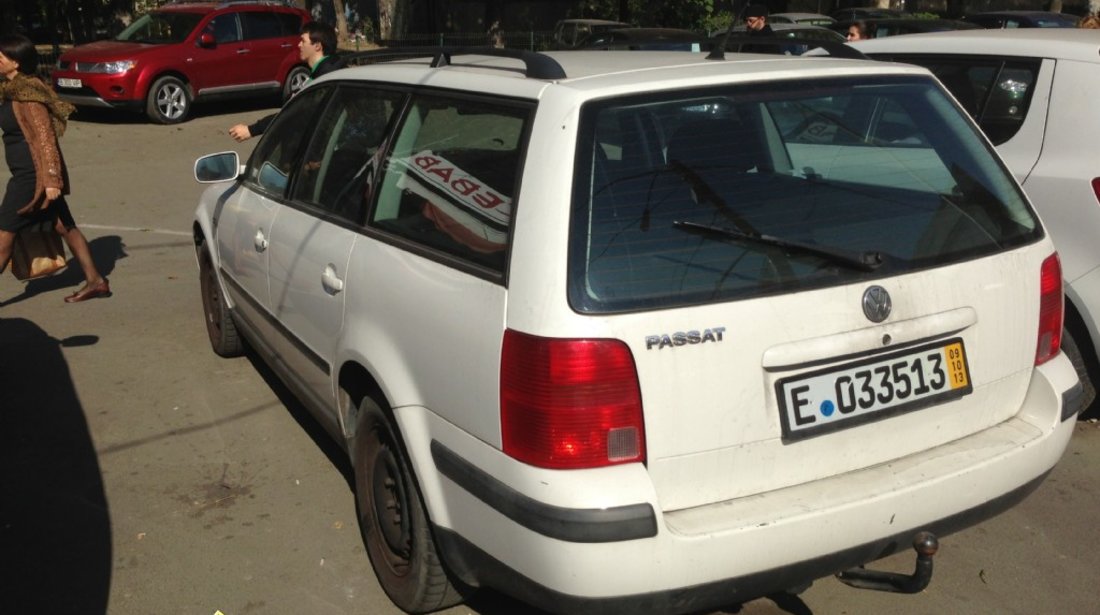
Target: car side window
[450, 179]
[995, 91]
[225, 29]
[259, 25]
[289, 24]
[272, 163]
[341, 161]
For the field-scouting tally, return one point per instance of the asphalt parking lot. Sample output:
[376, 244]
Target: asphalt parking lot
[141, 474]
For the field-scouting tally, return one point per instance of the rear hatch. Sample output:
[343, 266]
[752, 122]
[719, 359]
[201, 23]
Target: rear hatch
[813, 277]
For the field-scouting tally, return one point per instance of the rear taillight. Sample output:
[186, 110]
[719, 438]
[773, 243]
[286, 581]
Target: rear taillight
[570, 403]
[1050, 310]
[1096, 187]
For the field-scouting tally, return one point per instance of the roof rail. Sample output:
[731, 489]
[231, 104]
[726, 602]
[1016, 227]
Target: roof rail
[835, 49]
[537, 65]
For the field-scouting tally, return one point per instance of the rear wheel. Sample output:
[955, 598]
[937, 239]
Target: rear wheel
[296, 79]
[169, 101]
[393, 520]
[224, 337]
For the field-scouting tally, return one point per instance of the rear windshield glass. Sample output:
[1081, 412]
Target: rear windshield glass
[756, 189]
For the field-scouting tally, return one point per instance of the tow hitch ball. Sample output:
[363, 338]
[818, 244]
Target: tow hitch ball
[925, 544]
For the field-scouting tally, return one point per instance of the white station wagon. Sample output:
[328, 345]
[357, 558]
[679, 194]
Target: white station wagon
[625, 331]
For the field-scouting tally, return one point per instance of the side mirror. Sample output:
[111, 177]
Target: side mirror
[219, 167]
[206, 39]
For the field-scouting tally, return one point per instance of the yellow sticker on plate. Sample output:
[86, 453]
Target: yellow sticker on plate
[956, 365]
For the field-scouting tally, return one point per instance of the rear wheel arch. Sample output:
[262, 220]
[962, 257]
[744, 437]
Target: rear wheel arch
[354, 383]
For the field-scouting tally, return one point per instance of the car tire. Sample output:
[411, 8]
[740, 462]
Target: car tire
[225, 339]
[169, 101]
[296, 79]
[393, 520]
[1084, 374]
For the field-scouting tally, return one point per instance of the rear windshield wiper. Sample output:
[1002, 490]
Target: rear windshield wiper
[862, 261]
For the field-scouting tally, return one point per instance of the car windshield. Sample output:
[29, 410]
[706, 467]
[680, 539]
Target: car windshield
[160, 28]
[751, 190]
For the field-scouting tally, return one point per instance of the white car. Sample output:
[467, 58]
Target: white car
[807, 19]
[622, 331]
[1032, 91]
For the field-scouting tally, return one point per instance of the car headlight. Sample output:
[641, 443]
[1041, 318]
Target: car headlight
[111, 68]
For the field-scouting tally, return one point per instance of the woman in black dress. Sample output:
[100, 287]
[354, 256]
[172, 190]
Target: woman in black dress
[32, 118]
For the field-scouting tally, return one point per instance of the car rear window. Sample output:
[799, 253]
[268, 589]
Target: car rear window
[742, 191]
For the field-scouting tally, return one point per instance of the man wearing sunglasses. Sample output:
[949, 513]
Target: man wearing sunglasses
[756, 20]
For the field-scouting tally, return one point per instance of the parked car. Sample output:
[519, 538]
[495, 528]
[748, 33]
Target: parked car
[647, 39]
[1022, 19]
[568, 33]
[894, 27]
[1030, 90]
[808, 19]
[867, 12]
[782, 31]
[622, 331]
[183, 53]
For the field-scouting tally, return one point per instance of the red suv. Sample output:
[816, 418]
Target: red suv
[181, 53]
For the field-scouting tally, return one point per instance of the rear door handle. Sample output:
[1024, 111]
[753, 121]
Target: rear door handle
[332, 283]
[259, 241]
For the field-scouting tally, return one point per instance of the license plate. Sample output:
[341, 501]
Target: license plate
[870, 389]
[64, 82]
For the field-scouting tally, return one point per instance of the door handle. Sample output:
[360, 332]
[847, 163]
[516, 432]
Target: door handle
[260, 241]
[332, 283]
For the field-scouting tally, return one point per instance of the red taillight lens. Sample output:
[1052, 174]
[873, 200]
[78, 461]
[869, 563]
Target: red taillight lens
[570, 403]
[1096, 187]
[1050, 310]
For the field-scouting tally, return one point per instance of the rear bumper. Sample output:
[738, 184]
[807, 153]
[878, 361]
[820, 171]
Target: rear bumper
[469, 562]
[597, 540]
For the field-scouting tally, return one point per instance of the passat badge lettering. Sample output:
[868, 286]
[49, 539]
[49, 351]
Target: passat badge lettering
[683, 338]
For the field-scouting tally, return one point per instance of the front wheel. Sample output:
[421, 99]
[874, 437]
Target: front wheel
[169, 101]
[224, 338]
[296, 79]
[393, 520]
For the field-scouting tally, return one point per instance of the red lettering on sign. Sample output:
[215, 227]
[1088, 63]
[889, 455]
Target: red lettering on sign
[488, 200]
[465, 187]
[443, 172]
[426, 162]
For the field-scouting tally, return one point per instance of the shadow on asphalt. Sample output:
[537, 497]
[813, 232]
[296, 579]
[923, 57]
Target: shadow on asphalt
[55, 527]
[94, 115]
[335, 454]
[106, 252]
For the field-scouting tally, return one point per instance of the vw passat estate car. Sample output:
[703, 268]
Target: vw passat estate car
[623, 331]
